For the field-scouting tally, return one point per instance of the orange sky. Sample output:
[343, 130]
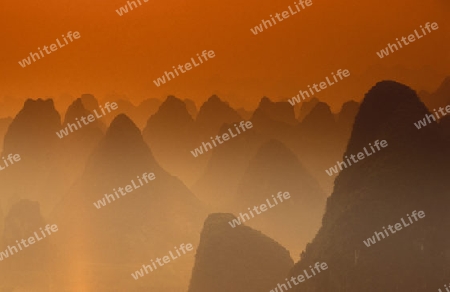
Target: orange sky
[124, 54]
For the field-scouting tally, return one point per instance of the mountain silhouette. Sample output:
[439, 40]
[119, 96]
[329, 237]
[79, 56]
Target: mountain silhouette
[319, 143]
[89, 101]
[407, 175]
[276, 111]
[237, 259]
[32, 135]
[133, 228]
[212, 115]
[346, 118]
[275, 120]
[33, 129]
[75, 148]
[218, 184]
[276, 169]
[139, 114]
[318, 122]
[121, 156]
[171, 136]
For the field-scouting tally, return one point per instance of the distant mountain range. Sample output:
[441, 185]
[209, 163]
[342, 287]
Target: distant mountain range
[192, 199]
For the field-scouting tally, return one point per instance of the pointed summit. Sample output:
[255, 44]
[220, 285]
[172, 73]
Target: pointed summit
[129, 218]
[214, 99]
[89, 102]
[124, 143]
[75, 110]
[213, 114]
[319, 126]
[238, 259]
[214, 102]
[122, 126]
[319, 117]
[171, 113]
[171, 116]
[172, 109]
[83, 107]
